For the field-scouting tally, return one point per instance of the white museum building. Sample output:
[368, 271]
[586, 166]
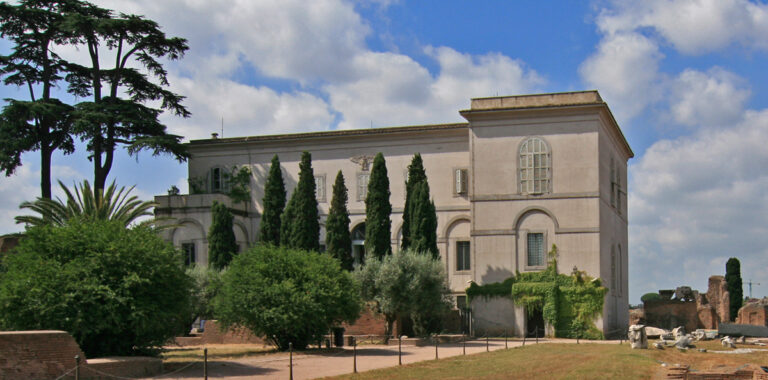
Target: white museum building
[523, 173]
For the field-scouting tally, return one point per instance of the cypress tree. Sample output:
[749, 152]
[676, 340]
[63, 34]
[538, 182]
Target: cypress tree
[222, 245]
[423, 221]
[300, 225]
[416, 174]
[735, 290]
[378, 226]
[337, 239]
[274, 203]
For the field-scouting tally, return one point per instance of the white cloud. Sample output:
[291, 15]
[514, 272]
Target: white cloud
[393, 89]
[692, 27]
[712, 98]
[697, 200]
[625, 71]
[24, 185]
[246, 110]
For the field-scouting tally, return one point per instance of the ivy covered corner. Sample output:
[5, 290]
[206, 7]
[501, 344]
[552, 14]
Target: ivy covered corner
[568, 303]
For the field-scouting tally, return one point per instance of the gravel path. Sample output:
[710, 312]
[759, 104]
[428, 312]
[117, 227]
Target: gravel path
[309, 365]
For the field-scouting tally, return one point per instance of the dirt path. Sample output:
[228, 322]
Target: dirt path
[309, 365]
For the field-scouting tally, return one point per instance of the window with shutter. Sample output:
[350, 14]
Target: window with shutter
[535, 171]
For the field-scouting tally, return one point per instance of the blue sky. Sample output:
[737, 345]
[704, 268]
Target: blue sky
[685, 80]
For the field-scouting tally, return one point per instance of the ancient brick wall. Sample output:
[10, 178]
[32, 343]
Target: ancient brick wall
[37, 354]
[369, 323]
[719, 298]
[214, 334]
[753, 314]
[669, 314]
[33, 355]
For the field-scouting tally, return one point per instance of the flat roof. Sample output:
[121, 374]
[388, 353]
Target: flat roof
[336, 133]
[554, 99]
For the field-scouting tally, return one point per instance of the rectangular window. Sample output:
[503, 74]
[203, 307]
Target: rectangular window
[462, 255]
[461, 302]
[536, 250]
[460, 181]
[188, 250]
[216, 180]
[320, 188]
[362, 185]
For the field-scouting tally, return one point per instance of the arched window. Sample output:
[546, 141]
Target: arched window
[535, 167]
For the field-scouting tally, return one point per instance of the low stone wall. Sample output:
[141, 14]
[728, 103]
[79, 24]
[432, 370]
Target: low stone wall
[37, 354]
[369, 323]
[669, 314]
[49, 354]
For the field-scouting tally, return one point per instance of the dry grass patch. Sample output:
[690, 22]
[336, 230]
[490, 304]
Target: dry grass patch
[218, 351]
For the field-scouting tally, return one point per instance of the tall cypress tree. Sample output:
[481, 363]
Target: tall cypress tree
[337, 239]
[378, 226]
[222, 245]
[416, 174]
[423, 221]
[274, 203]
[735, 290]
[300, 225]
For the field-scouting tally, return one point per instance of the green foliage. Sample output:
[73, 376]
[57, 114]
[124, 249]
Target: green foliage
[416, 174]
[41, 123]
[196, 185]
[206, 282]
[337, 238]
[378, 226]
[300, 224]
[239, 184]
[273, 203]
[222, 245]
[570, 303]
[423, 228]
[405, 284]
[735, 288]
[90, 204]
[111, 119]
[650, 297]
[118, 291]
[287, 295]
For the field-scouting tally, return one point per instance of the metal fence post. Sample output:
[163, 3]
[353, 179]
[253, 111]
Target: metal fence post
[400, 350]
[77, 367]
[205, 363]
[354, 353]
[506, 340]
[537, 334]
[487, 348]
[464, 345]
[436, 342]
[290, 349]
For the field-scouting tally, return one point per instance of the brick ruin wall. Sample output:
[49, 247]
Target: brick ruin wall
[37, 354]
[753, 313]
[706, 312]
[49, 354]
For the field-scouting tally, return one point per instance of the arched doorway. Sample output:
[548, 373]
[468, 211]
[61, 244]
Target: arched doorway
[358, 244]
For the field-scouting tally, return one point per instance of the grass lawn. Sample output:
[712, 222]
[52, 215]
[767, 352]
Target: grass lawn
[565, 361]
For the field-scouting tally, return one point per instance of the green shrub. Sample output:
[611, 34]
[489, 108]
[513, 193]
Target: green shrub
[118, 291]
[205, 285]
[650, 297]
[286, 295]
[407, 284]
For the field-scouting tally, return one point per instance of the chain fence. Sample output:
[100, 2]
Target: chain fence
[84, 371]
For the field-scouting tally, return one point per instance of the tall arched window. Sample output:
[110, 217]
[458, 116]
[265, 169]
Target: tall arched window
[535, 167]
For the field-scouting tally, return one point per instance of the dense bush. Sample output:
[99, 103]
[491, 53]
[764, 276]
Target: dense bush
[650, 297]
[118, 291]
[286, 295]
[407, 284]
[205, 284]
